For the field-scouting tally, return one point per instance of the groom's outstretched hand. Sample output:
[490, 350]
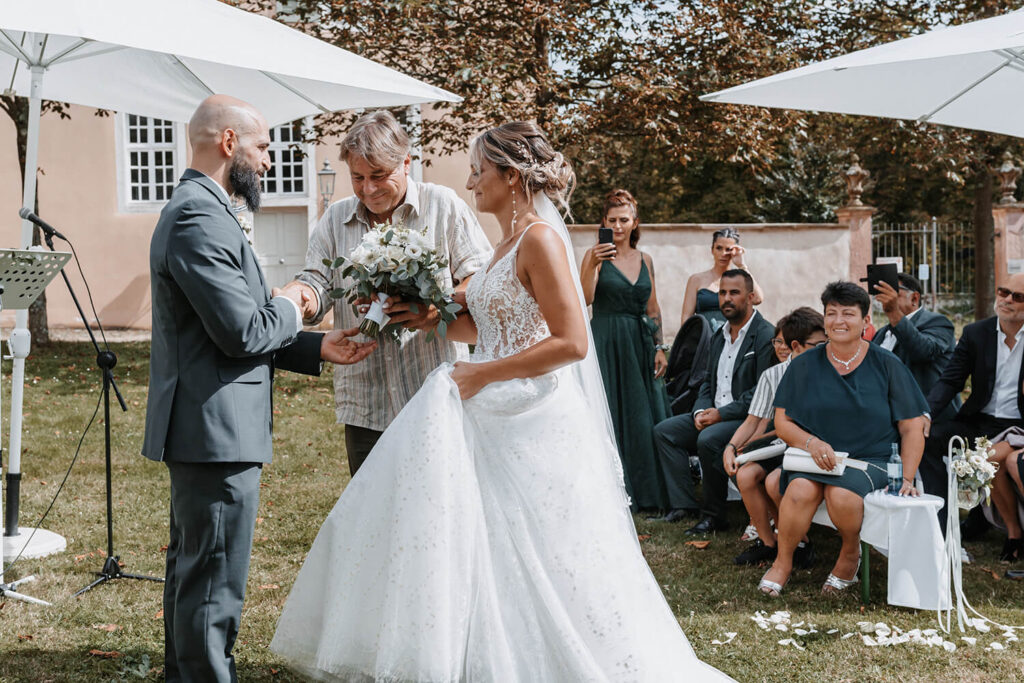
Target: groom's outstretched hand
[337, 348]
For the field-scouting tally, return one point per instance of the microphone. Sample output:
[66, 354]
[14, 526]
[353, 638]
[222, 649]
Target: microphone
[46, 227]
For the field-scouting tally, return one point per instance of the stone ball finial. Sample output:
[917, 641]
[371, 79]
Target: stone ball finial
[855, 177]
[1008, 174]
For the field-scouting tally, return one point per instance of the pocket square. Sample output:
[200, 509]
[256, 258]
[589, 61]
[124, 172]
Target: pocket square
[748, 353]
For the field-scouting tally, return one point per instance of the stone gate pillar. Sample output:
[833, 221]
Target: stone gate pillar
[1008, 219]
[858, 217]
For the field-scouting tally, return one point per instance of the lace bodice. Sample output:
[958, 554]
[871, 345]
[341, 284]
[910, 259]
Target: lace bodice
[508, 319]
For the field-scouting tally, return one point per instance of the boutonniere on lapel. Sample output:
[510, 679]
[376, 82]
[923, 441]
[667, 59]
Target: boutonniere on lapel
[245, 222]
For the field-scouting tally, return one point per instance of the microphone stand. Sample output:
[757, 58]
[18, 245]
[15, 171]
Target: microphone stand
[105, 360]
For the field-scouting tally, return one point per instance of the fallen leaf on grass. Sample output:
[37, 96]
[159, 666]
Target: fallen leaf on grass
[163, 548]
[159, 615]
[24, 636]
[994, 574]
[643, 537]
[112, 654]
[269, 587]
[109, 628]
[699, 545]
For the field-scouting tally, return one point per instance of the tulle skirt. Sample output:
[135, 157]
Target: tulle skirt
[485, 540]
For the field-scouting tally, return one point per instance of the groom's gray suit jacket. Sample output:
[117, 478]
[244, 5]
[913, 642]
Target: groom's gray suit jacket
[217, 335]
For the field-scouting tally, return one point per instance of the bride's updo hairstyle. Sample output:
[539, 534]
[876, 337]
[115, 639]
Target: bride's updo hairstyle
[522, 145]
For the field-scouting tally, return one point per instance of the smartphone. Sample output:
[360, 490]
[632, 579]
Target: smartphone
[882, 272]
[605, 235]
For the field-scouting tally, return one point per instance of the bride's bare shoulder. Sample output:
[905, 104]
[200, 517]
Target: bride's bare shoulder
[541, 242]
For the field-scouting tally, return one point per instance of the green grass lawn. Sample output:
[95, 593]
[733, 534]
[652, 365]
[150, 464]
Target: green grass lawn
[708, 594]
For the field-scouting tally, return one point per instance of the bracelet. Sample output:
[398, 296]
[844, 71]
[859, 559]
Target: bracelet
[807, 444]
[908, 481]
[734, 449]
[662, 347]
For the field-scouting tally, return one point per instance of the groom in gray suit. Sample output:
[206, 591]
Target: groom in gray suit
[218, 335]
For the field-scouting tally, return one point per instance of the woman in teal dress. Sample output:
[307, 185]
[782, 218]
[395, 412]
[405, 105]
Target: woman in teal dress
[701, 296]
[618, 281]
[845, 396]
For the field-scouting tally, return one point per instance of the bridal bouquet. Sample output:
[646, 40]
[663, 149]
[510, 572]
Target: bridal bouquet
[974, 473]
[393, 259]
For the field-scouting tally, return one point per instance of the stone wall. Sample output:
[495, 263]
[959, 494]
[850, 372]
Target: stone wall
[791, 262]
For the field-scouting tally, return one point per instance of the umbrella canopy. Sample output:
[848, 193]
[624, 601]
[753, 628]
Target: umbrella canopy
[160, 59]
[969, 76]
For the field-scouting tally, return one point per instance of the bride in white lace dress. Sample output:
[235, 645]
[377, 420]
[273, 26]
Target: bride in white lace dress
[488, 536]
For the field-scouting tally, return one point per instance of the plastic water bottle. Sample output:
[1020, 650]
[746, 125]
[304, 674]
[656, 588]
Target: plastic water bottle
[895, 471]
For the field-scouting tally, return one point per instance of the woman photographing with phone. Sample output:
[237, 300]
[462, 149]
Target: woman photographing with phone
[702, 288]
[618, 282]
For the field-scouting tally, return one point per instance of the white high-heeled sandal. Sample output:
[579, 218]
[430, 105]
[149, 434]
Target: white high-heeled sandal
[770, 588]
[833, 584]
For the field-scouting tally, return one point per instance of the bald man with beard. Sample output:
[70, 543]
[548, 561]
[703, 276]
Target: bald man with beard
[218, 335]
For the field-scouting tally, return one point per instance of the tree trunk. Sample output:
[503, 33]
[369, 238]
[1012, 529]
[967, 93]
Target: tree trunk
[17, 109]
[984, 260]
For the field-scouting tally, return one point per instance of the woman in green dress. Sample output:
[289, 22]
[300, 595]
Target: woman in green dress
[846, 396]
[618, 282]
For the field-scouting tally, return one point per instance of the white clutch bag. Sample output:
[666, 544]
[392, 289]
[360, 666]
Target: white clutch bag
[775, 448]
[799, 460]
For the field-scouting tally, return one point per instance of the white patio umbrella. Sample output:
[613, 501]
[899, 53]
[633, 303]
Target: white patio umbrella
[968, 76]
[159, 59]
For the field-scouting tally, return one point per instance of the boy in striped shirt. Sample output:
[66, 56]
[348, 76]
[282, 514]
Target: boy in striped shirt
[802, 329]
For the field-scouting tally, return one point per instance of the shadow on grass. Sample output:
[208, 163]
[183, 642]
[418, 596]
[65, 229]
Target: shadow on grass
[34, 665]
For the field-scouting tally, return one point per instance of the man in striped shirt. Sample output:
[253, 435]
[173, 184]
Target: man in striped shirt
[802, 329]
[370, 394]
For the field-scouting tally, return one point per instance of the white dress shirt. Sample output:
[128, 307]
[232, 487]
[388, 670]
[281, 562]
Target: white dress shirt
[298, 311]
[889, 342]
[727, 363]
[1003, 403]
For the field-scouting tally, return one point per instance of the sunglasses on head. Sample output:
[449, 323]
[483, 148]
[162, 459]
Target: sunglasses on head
[1003, 292]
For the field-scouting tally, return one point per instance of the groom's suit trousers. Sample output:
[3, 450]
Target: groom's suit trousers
[213, 517]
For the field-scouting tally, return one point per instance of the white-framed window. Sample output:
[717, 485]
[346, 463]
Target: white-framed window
[151, 154]
[288, 161]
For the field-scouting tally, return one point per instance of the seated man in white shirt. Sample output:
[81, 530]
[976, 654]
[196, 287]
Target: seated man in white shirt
[802, 329]
[990, 354]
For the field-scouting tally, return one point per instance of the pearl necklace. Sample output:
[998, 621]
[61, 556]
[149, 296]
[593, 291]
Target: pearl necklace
[845, 363]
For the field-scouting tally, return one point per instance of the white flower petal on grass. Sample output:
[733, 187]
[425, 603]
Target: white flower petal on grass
[996, 646]
[781, 627]
[869, 641]
[948, 646]
[831, 631]
[728, 639]
[969, 640]
[847, 635]
[882, 629]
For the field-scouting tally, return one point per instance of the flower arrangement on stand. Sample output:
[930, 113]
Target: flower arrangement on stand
[395, 260]
[974, 473]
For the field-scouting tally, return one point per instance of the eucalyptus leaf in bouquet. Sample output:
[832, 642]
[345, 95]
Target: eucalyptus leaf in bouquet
[395, 260]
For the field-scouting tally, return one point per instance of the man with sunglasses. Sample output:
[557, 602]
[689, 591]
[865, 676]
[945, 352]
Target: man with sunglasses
[923, 340]
[989, 353]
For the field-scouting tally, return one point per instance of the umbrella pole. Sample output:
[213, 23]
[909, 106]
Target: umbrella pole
[21, 338]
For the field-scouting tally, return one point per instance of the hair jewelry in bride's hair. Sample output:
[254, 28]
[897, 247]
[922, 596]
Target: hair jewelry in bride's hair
[522, 145]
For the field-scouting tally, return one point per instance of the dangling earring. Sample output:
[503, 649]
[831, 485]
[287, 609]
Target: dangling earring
[514, 214]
